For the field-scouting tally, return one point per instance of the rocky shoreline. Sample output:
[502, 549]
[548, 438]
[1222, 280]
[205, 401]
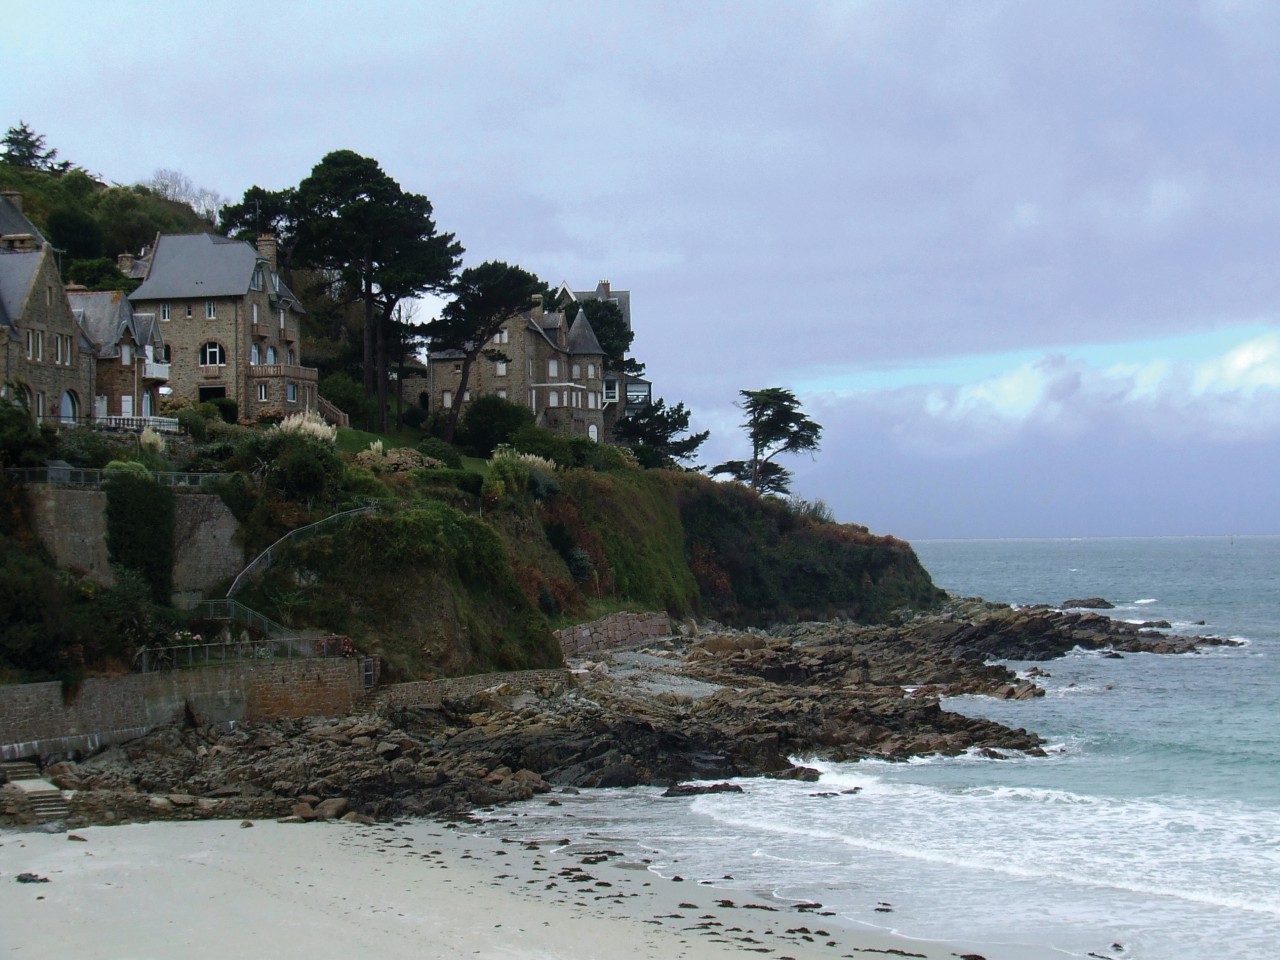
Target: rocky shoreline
[713, 705]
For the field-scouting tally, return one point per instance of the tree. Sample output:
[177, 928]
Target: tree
[484, 298]
[611, 330]
[653, 432]
[356, 221]
[774, 425]
[75, 232]
[489, 421]
[266, 211]
[25, 148]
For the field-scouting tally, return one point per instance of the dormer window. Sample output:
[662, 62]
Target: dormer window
[256, 282]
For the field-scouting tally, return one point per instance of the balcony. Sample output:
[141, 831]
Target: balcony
[151, 370]
[274, 371]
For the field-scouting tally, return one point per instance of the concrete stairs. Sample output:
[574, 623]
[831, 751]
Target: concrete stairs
[46, 800]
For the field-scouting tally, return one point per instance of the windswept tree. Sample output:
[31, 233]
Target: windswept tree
[775, 424]
[653, 433]
[354, 220]
[484, 298]
[25, 148]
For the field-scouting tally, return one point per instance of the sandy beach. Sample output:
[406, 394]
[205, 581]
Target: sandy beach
[416, 889]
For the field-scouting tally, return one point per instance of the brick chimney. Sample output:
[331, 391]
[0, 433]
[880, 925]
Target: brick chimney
[124, 263]
[267, 248]
[14, 197]
[603, 289]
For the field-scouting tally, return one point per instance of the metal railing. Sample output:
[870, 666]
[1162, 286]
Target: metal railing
[264, 560]
[237, 612]
[189, 655]
[83, 476]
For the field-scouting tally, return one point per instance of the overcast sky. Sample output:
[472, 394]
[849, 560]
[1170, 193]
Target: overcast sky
[1021, 259]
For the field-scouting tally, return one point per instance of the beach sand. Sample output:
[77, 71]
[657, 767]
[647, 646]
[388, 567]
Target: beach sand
[414, 890]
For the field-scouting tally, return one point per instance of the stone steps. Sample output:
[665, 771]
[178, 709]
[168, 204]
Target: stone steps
[15, 770]
[48, 805]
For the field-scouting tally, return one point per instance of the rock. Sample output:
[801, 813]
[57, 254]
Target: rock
[76, 836]
[304, 811]
[331, 809]
[353, 817]
[696, 789]
[804, 774]
[387, 750]
[31, 878]
[1089, 603]
[245, 824]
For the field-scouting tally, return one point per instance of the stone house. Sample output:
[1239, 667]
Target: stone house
[554, 367]
[130, 357]
[230, 324]
[47, 358]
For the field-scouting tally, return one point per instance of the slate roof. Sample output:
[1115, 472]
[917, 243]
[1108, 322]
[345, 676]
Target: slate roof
[11, 221]
[188, 265]
[582, 338]
[104, 316]
[17, 269]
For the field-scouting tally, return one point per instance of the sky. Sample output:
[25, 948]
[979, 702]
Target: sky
[1019, 259]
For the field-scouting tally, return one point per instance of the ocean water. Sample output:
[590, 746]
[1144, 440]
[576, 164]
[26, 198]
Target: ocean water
[1151, 831]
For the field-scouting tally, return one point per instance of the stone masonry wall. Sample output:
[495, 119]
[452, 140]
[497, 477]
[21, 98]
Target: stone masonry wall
[35, 720]
[429, 693]
[616, 630]
[72, 524]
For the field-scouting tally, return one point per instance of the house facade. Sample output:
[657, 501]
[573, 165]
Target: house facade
[553, 367]
[47, 358]
[130, 354]
[229, 325]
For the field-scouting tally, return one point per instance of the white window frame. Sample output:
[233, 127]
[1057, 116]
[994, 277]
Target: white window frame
[500, 368]
[446, 399]
[254, 355]
[211, 309]
[212, 350]
[576, 371]
[591, 371]
[611, 390]
[553, 367]
[271, 354]
[255, 314]
[291, 393]
[164, 312]
[262, 393]
[502, 394]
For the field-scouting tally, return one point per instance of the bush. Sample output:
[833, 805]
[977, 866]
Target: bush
[140, 525]
[227, 408]
[437, 449]
[347, 395]
[83, 447]
[463, 480]
[489, 420]
[544, 443]
[194, 422]
[413, 417]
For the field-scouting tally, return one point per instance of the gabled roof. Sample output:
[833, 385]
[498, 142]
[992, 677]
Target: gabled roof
[12, 221]
[603, 291]
[17, 271]
[105, 316]
[582, 338]
[189, 265]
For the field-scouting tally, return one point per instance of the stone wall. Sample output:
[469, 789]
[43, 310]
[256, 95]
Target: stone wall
[429, 693]
[35, 719]
[616, 630]
[72, 524]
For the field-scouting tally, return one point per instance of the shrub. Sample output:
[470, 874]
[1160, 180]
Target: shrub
[194, 422]
[490, 420]
[140, 525]
[347, 395]
[544, 443]
[227, 408]
[83, 447]
[309, 424]
[413, 417]
[437, 449]
[579, 563]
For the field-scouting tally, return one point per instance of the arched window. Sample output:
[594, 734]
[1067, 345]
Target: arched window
[577, 370]
[69, 407]
[271, 354]
[212, 355]
[593, 433]
[591, 371]
[554, 399]
[293, 357]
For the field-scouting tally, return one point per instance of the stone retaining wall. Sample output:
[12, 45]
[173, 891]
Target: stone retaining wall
[35, 721]
[429, 693]
[615, 630]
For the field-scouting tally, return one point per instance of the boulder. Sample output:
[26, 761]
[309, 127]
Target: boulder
[331, 809]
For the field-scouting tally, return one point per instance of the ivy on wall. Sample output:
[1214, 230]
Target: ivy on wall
[140, 526]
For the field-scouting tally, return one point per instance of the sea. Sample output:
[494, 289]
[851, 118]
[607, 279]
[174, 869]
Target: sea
[1150, 831]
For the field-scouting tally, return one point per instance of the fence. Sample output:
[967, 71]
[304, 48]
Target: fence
[188, 655]
[237, 612]
[94, 478]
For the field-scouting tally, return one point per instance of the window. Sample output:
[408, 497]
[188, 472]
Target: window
[31, 344]
[253, 355]
[293, 357]
[40, 404]
[282, 318]
[593, 433]
[457, 368]
[57, 348]
[255, 314]
[39, 344]
[262, 391]
[446, 399]
[554, 399]
[502, 394]
[610, 391]
[164, 311]
[577, 371]
[126, 354]
[188, 311]
[212, 355]
[271, 354]
[553, 368]
[211, 310]
[501, 368]
[256, 284]
[591, 371]
[167, 354]
[291, 393]
[48, 296]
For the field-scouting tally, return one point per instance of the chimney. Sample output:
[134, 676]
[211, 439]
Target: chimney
[124, 262]
[267, 248]
[604, 289]
[14, 197]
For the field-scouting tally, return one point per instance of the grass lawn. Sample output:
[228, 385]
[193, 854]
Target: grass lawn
[353, 441]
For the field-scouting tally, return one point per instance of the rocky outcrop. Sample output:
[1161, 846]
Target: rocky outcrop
[1090, 603]
[719, 705]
